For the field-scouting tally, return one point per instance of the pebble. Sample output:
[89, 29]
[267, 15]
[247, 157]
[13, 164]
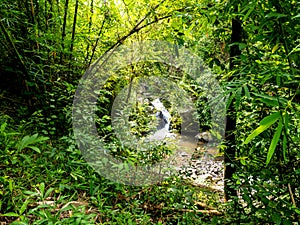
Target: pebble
[205, 170]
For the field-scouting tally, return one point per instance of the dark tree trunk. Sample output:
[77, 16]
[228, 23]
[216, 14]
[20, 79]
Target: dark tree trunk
[22, 81]
[230, 168]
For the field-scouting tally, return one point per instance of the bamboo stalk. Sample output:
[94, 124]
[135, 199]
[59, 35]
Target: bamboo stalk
[291, 194]
[73, 34]
[19, 57]
[37, 10]
[96, 43]
[64, 30]
[73, 31]
[90, 27]
[32, 12]
[10, 41]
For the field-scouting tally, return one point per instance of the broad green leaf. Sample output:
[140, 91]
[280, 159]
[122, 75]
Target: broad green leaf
[274, 14]
[10, 185]
[269, 102]
[48, 192]
[296, 49]
[274, 49]
[35, 149]
[242, 46]
[297, 16]
[29, 140]
[249, 12]
[268, 98]
[10, 214]
[3, 126]
[284, 147]
[30, 193]
[246, 90]
[276, 217]
[238, 96]
[274, 142]
[278, 80]
[23, 207]
[264, 124]
[229, 101]
[42, 188]
[286, 122]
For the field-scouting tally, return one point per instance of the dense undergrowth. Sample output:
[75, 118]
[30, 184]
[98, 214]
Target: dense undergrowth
[48, 182]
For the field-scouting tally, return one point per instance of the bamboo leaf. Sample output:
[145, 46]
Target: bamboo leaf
[269, 97]
[274, 14]
[48, 192]
[275, 48]
[251, 8]
[29, 140]
[35, 149]
[284, 147]
[23, 207]
[274, 142]
[42, 188]
[286, 127]
[297, 16]
[264, 124]
[10, 214]
[269, 102]
[238, 98]
[246, 90]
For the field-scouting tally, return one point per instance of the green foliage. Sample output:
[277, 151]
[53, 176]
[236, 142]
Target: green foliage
[43, 177]
[264, 124]
[274, 142]
[28, 141]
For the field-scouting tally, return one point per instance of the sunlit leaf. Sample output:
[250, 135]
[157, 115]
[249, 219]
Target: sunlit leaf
[264, 124]
[34, 148]
[251, 8]
[297, 16]
[276, 217]
[10, 214]
[274, 14]
[29, 140]
[24, 207]
[275, 48]
[286, 129]
[246, 90]
[274, 142]
[284, 147]
[238, 98]
[269, 102]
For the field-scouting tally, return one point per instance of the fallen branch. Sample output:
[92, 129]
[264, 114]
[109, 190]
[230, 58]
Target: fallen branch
[204, 211]
[206, 187]
[203, 205]
[209, 211]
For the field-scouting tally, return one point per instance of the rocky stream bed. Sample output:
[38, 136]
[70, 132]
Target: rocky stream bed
[202, 167]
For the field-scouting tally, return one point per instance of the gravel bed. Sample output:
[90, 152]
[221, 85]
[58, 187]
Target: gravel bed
[204, 170]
